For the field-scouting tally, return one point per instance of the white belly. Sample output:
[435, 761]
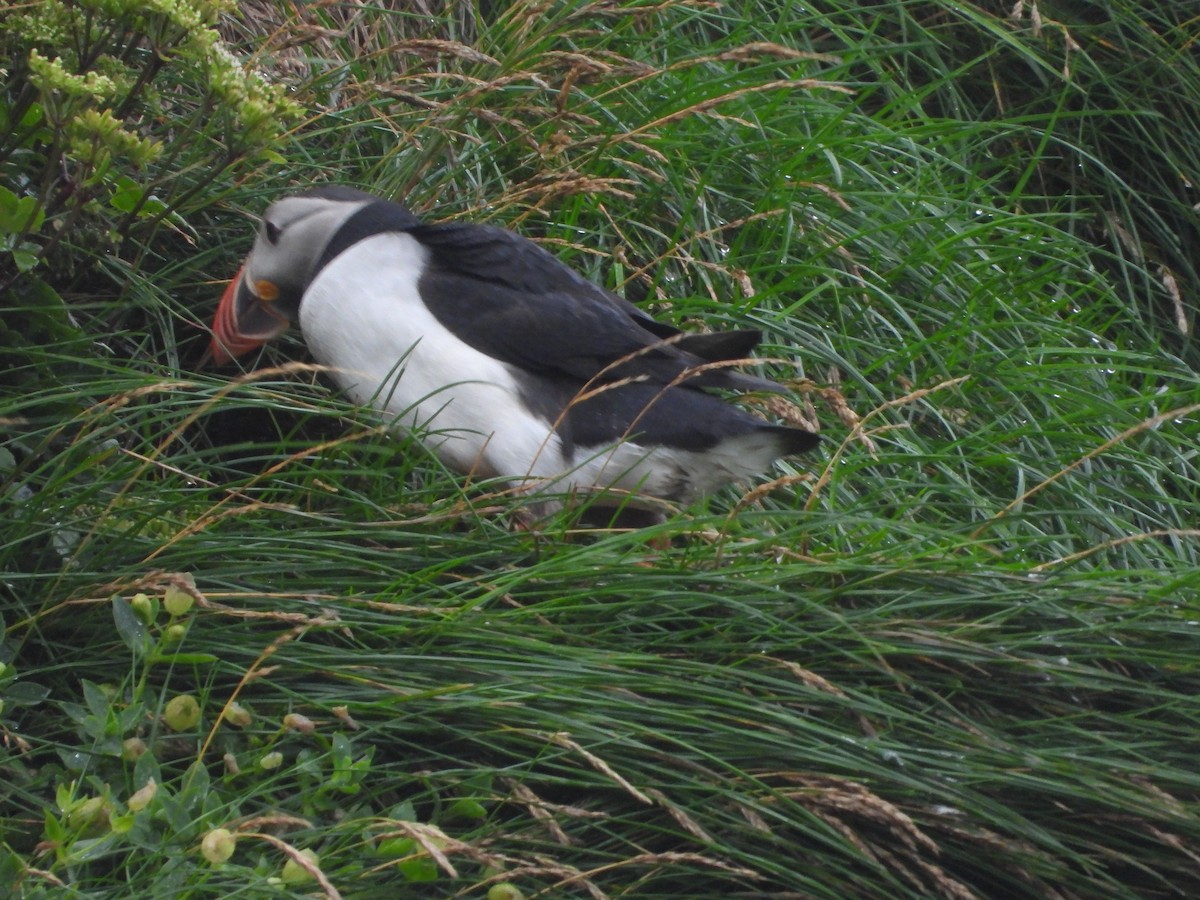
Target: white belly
[362, 317]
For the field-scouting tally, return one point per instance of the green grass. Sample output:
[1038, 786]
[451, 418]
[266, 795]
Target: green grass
[951, 655]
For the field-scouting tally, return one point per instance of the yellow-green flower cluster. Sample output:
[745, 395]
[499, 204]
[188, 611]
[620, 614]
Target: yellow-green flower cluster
[51, 77]
[90, 103]
[262, 109]
[188, 16]
[109, 8]
[40, 24]
[99, 137]
[187, 13]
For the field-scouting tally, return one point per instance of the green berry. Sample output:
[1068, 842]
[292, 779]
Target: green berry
[132, 748]
[236, 714]
[144, 607]
[297, 722]
[142, 797]
[182, 713]
[91, 818]
[272, 760]
[177, 601]
[218, 845]
[294, 873]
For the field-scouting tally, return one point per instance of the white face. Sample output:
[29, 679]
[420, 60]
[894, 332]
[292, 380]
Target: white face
[293, 234]
[265, 295]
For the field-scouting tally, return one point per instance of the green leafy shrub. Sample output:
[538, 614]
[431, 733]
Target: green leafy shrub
[117, 120]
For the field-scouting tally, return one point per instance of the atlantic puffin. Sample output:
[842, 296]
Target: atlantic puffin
[503, 360]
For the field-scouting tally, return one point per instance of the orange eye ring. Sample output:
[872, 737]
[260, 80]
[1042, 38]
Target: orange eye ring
[266, 290]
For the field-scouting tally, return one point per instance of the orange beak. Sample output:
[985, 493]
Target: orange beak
[244, 321]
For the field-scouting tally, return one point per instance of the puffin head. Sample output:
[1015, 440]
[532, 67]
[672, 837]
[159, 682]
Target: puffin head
[264, 297]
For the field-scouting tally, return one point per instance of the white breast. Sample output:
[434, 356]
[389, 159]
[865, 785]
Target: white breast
[363, 317]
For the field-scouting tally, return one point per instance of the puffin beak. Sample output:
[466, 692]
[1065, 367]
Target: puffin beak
[245, 319]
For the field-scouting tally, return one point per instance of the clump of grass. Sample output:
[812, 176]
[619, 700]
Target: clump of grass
[253, 643]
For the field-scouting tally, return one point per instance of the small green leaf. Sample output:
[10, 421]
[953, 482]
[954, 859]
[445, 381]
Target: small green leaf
[391, 848]
[97, 699]
[418, 868]
[64, 795]
[348, 773]
[131, 628]
[56, 832]
[20, 215]
[195, 783]
[74, 760]
[32, 116]
[126, 194]
[24, 259]
[176, 812]
[92, 848]
[8, 211]
[129, 196]
[466, 809]
[145, 769]
[404, 811]
[26, 693]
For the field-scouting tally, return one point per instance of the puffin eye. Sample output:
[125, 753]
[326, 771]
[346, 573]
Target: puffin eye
[271, 231]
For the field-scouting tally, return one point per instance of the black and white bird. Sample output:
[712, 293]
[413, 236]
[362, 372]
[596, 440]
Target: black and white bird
[503, 360]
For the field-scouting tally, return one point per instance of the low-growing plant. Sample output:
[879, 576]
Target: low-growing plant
[164, 762]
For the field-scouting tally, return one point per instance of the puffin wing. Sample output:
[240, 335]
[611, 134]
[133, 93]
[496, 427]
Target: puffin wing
[507, 297]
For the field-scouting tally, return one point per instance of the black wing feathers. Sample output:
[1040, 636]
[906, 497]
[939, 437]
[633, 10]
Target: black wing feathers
[673, 417]
[509, 298]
